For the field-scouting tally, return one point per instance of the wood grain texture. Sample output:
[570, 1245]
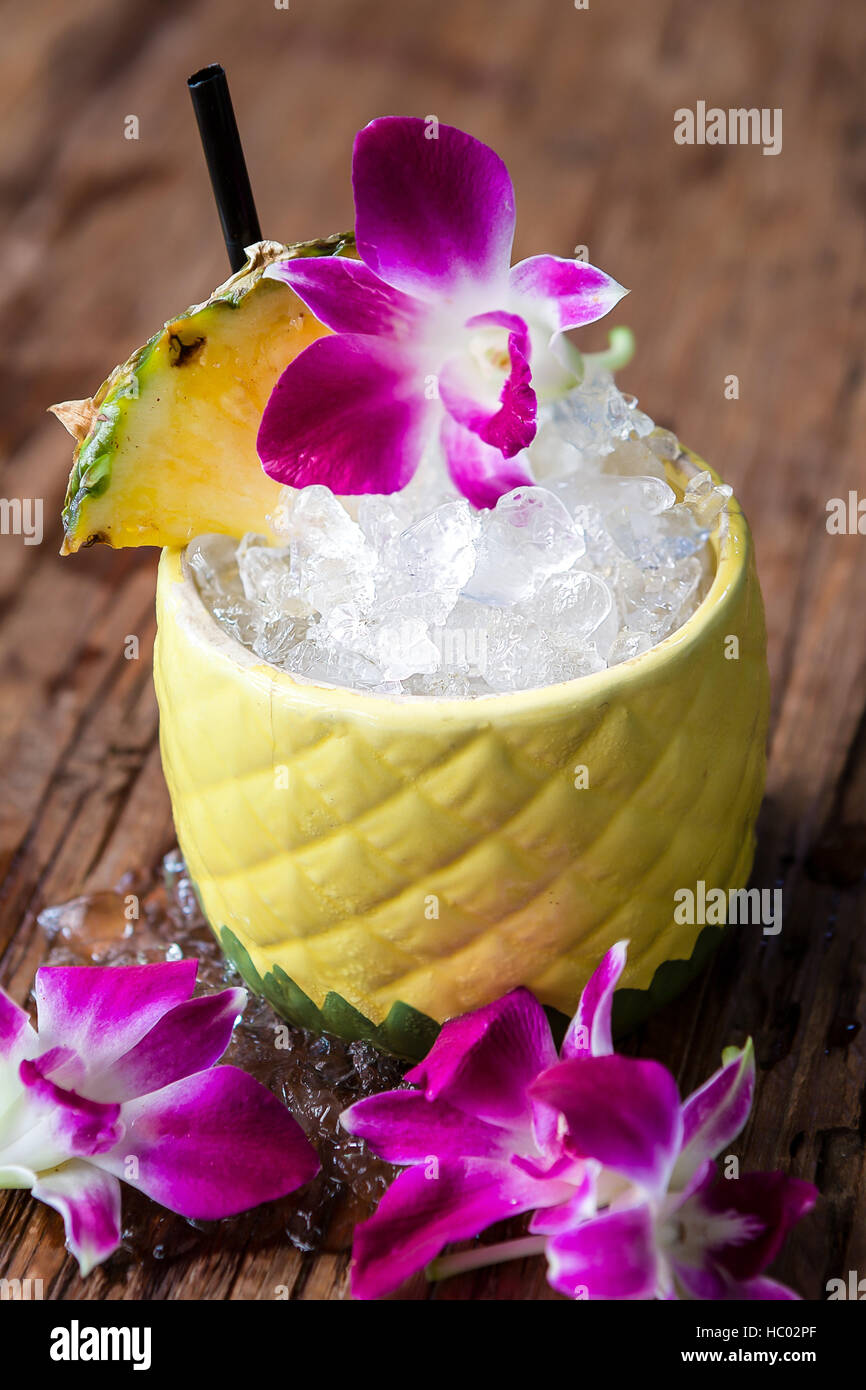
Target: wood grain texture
[738, 263]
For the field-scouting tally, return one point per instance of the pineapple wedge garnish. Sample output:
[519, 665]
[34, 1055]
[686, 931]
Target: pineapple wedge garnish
[166, 449]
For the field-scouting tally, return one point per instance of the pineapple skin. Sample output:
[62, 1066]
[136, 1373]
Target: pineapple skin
[166, 448]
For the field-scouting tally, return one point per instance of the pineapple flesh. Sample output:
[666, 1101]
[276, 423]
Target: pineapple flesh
[166, 449]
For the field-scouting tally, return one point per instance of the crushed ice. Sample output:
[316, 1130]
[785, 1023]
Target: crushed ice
[418, 593]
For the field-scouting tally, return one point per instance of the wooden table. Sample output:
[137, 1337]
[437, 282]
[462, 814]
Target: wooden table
[741, 264]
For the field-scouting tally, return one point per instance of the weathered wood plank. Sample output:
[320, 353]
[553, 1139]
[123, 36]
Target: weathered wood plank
[740, 264]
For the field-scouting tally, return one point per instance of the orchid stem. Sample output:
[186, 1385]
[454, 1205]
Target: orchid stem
[619, 352]
[483, 1255]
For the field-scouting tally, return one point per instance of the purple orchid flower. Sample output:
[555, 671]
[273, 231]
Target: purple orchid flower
[437, 338]
[620, 1177]
[672, 1226]
[479, 1146]
[119, 1082]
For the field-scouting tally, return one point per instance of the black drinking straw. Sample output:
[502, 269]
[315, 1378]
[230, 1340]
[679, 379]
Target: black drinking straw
[225, 161]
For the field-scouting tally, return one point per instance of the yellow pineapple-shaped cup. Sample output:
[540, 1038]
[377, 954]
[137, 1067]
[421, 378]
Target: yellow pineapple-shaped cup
[376, 865]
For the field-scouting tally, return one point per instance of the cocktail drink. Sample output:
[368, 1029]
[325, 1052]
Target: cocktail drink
[461, 661]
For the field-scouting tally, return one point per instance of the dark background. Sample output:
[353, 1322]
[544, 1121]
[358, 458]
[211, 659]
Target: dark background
[738, 263]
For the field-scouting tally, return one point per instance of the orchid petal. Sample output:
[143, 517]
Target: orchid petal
[428, 1207]
[347, 297]
[703, 1178]
[764, 1290]
[612, 1256]
[189, 1038]
[581, 1206]
[345, 414]
[61, 1063]
[702, 1283]
[101, 1013]
[566, 294]
[506, 418]
[406, 1127]
[16, 1175]
[17, 1040]
[212, 1144]
[480, 471]
[773, 1202]
[53, 1124]
[484, 1061]
[434, 209]
[589, 1033]
[14, 1026]
[89, 1202]
[622, 1111]
[714, 1115]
